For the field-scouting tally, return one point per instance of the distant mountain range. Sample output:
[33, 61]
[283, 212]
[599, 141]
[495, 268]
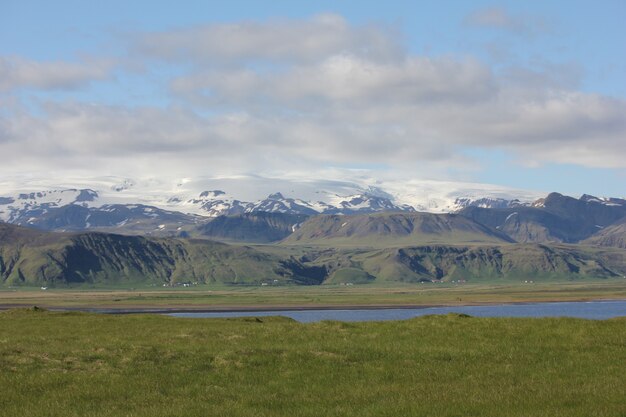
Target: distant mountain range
[218, 215]
[110, 237]
[212, 197]
[556, 218]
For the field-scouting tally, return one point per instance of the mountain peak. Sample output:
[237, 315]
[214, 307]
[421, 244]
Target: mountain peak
[212, 193]
[553, 195]
[589, 197]
[86, 195]
[606, 201]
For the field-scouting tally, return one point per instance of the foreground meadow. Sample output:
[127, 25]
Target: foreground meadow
[79, 364]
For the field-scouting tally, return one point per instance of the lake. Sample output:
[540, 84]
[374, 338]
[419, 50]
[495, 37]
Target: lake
[597, 310]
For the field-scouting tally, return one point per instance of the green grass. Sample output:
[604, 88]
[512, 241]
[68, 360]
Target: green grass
[351, 276]
[76, 364]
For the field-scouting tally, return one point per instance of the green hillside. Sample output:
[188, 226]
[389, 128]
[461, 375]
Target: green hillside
[393, 230]
[509, 262]
[35, 258]
[472, 263]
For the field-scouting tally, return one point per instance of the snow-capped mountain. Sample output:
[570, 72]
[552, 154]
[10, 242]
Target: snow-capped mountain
[24, 201]
[189, 207]
[23, 206]
[487, 202]
[217, 203]
[604, 200]
[277, 203]
[365, 203]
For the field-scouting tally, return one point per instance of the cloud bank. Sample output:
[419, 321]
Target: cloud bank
[302, 94]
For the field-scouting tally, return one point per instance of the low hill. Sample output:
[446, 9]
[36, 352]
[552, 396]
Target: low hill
[510, 262]
[29, 257]
[393, 229]
[261, 227]
[470, 263]
[35, 258]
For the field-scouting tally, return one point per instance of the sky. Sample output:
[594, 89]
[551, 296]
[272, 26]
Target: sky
[529, 95]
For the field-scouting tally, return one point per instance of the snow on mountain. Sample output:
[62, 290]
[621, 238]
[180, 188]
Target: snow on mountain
[603, 200]
[80, 217]
[39, 202]
[209, 203]
[487, 202]
[277, 203]
[214, 196]
[365, 203]
[447, 197]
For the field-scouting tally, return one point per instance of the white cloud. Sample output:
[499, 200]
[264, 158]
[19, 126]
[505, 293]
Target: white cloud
[311, 94]
[17, 72]
[277, 40]
[344, 78]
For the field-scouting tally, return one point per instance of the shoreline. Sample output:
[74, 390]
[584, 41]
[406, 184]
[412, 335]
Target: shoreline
[286, 308]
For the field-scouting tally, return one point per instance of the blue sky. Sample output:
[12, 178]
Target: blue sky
[523, 94]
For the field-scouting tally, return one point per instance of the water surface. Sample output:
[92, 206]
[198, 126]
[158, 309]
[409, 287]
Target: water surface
[597, 310]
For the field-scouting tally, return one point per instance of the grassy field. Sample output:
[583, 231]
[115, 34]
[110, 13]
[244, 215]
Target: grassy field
[79, 364]
[396, 294]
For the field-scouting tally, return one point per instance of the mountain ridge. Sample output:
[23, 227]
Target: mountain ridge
[555, 218]
[393, 229]
[29, 257]
[235, 195]
[613, 235]
[50, 259]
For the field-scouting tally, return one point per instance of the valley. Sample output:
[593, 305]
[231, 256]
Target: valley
[370, 239]
[217, 297]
